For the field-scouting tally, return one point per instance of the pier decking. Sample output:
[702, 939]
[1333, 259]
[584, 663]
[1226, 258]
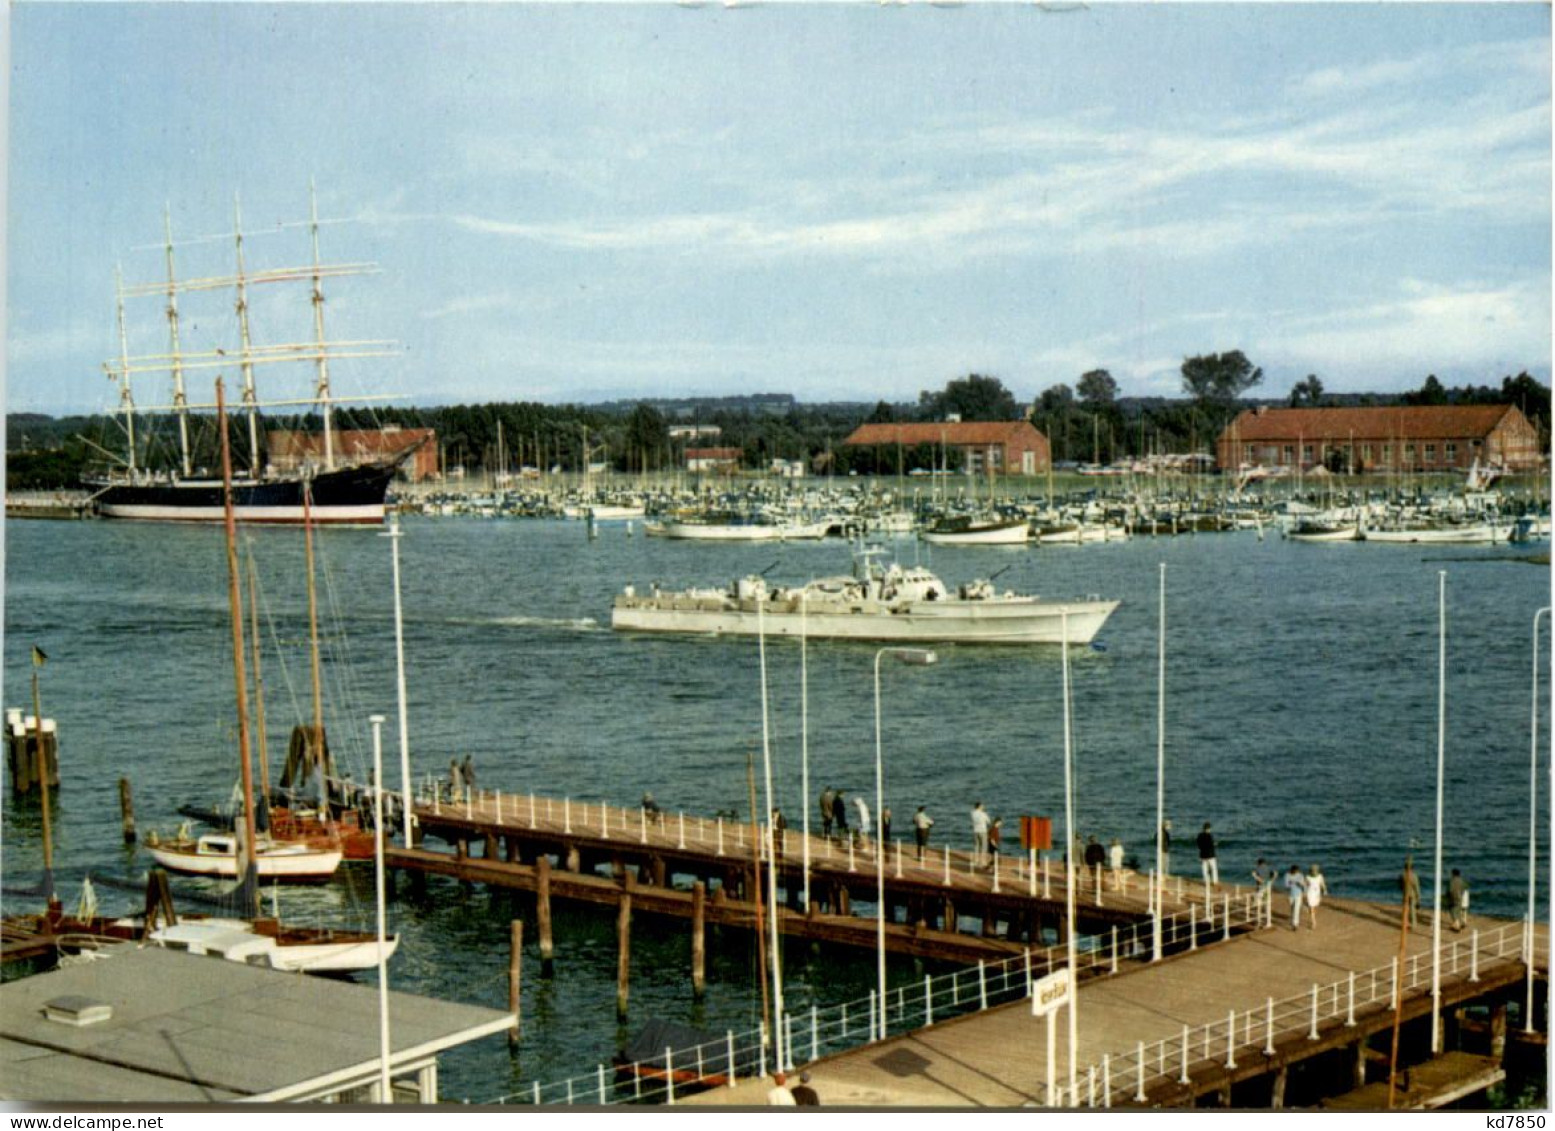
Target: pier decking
[1224, 1024]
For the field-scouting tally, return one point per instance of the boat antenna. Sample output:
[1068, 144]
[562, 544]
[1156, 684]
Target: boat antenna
[249, 886]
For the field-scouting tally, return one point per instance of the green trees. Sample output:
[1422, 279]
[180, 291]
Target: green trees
[972, 398]
[1308, 393]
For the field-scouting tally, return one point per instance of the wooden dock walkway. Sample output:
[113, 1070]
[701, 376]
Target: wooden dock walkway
[942, 908]
[1180, 1012]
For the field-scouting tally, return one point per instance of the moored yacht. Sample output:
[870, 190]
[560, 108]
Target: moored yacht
[876, 602]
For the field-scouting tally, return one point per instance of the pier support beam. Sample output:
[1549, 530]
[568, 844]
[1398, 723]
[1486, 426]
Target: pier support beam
[624, 949]
[543, 911]
[126, 811]
[698, 940]
[515, 979]
[1281, 1078]
[1498, 1028]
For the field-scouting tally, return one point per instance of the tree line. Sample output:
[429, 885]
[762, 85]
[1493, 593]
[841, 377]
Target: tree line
[1085, 422]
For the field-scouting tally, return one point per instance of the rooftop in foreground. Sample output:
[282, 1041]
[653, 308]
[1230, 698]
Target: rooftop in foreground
[192, 1029]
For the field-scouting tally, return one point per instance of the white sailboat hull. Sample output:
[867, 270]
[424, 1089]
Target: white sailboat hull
[282, 862]
[1009, 534]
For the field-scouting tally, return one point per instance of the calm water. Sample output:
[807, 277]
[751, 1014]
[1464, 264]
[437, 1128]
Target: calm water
[1301, 720]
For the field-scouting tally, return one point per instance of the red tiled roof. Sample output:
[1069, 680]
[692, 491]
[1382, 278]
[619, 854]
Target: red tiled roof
[965, 432]
[1398, 421]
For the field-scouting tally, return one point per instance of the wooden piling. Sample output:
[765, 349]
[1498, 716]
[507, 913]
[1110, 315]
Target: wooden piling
[515, 979]
[624, 950]
[543, 909]
[126, 811]
[698, 939]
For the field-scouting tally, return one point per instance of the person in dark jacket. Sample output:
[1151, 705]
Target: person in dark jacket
[839, 815]
[1207, 862]
[804, 1095]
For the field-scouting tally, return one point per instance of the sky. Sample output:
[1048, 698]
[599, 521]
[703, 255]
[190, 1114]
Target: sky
[586, 202]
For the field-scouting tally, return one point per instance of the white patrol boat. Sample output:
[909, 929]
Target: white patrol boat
[877, 603]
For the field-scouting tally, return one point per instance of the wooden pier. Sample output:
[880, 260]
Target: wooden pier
[942, 908]
[1265, 1020]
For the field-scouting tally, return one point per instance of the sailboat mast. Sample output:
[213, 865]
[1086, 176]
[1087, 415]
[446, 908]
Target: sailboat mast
[180, 402]
[259, 681]
[250, 399]
[126, 397]
[250, 880]
[321, 393]
[313, 648]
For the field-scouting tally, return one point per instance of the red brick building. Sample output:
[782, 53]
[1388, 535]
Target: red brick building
[1008, 447]
[1400, 438]
[289, 451]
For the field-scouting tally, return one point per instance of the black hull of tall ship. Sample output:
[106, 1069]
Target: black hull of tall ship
[352, 496]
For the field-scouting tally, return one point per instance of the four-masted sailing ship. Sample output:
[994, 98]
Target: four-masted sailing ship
[341, 492]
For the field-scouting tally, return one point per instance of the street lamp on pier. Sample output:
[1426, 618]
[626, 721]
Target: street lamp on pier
[907, 656]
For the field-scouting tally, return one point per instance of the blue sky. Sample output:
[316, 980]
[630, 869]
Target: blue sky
[576, 202]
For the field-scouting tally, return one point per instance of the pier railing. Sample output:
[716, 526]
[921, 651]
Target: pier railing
[1127, 1078]
[808, 1036]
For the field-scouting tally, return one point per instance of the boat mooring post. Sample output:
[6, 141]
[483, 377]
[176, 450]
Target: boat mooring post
[543, 911]
[624, 947]
[127, 811]
[698, 939]
[515, 979]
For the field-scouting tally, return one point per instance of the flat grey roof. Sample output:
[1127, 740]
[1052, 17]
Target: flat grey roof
[192, 1028]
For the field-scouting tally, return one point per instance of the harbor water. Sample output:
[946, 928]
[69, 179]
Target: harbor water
[1301, 718]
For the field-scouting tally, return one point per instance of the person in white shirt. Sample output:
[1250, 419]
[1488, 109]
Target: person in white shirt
[979, 835]
[780, 1096]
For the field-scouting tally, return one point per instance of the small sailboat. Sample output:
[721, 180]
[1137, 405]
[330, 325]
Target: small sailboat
[242, 855]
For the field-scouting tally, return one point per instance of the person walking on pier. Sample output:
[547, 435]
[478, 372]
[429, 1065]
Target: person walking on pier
[1263, 882]
[826, 800]
[1458, 900]
[1296, 889]
[885, 825]
[455, 781]
[839, 815]
[467, 771]
[995, 831]
[863, 821]
[804, 1095]
[1115, 863]
[1166, 847]
[921, 824]
[1207, 863]
[1095, 857]
[1317, 887]
[979, 835]
[1409, 885]
[779, 1095]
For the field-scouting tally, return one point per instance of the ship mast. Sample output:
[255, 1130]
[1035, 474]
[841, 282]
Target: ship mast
[250, 400]
[180, 402]
[318, 333]
[126, 398]
[247, 860]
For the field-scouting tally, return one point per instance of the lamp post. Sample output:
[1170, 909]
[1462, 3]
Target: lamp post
[1069, 900]
[911, 656]
[385, 1086]
[1441, 767]
[407, 801]
[804, 740]
[1533, 825]
[772, 836]
[1160, 775]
